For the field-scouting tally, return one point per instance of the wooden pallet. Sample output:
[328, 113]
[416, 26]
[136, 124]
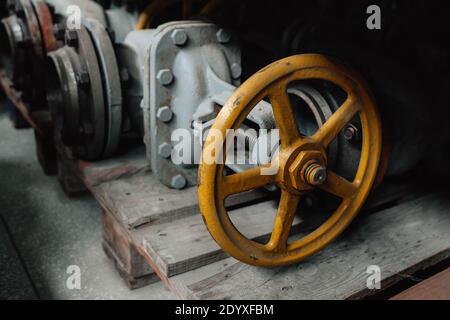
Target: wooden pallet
[165, 227]
[152, 232]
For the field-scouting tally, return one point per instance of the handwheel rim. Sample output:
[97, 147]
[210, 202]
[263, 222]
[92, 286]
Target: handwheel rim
[281, 73]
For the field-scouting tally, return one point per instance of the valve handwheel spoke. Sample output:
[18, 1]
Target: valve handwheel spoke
[283, 222]
[244, 181]
[338, 186]
[302, 161]
[330, 130]
[284, 116]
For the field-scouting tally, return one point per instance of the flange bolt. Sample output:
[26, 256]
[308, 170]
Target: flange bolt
[164, 114]
[223, 36]
[165, 77]
[179, 37]
[351, 133]
[165, 150]
[178, 182]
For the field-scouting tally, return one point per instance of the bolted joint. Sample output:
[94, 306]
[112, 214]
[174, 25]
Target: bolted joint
[315, 174]
[179, 37]
[164, 114]
[71, 38]
[223, 36]
[351, 133]
[165, 77]
[83, 78]
[178, 182]
[165, 150]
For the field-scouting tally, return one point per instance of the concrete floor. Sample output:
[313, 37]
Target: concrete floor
[42, 232]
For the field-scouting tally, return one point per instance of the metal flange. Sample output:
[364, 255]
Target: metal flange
[28, 36]
[75, 94]
[112, 84]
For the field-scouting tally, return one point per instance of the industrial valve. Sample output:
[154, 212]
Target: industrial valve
[304, 161]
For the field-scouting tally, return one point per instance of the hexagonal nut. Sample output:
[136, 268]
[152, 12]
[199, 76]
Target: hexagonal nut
[223, 36]
[71, 38]
[178, 182]
[164, 114]
[165, 150]
[165, 77]
[179, 37]
[83, 78]
[297, 168]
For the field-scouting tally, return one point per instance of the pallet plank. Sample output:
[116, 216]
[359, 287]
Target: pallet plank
[186, 244]
[400, 240]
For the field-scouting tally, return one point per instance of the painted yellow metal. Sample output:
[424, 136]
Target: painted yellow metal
[297, 154]
[156, 7]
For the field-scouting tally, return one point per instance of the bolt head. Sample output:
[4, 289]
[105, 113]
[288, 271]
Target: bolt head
[179, 37]
[236, 71]
[165, 77]
[351, 133]
[164, 114]
[165, 150]
[178, 182]
[71, 38]
[83, 78]
[223, 36]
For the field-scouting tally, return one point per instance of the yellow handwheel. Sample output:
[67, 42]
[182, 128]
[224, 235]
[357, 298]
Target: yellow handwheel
[302, 161]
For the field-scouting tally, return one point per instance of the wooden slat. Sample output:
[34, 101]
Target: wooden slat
[400, 240]
[181, 245]
[186, 244]
[434, 288]
[119, 248]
